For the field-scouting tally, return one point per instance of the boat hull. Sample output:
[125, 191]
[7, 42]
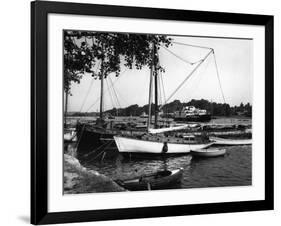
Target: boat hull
[153, 182]
[230, 142]
[208, 153]
[194, 118]
[134, 145]
[89, 140]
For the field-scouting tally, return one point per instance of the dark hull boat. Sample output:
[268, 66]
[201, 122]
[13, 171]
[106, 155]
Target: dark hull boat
[194, 118]
[96, 139]
[158, 180]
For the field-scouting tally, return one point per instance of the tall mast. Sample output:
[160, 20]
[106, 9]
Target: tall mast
[101, 90]
[156, 89]
[150, 89]
[65, 107]
[149, 99]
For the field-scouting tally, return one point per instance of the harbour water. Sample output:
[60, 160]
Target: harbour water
[233, 169]
[218, 120]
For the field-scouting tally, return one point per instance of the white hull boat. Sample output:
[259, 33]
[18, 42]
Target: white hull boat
[231, 142]
[135, 145]
[210, 152]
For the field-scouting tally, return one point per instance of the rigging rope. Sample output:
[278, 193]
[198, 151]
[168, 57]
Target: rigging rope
[203, 72]
[96, 101]
[89, 89]
[161, 80]
[110, 95]
[177, 56]
[114, 92]
[196, 46]
[189, 75]
[218, 76]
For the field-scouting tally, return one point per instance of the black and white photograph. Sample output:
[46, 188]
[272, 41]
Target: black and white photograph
[140, 112]
[146, 112]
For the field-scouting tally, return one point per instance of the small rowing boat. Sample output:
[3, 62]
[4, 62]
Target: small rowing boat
[158, 180]
[210, 152]
[231, 142]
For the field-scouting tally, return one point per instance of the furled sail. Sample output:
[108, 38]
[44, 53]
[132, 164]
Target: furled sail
[162, 130]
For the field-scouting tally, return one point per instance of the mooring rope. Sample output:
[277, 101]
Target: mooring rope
[108, 144]
[96, 149]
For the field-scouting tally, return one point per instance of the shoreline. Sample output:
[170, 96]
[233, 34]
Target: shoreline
[78, 179]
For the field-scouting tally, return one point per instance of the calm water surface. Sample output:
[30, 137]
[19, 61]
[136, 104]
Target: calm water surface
[233, 169]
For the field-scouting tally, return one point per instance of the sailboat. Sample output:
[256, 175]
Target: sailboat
[98, 135]
[155, 141]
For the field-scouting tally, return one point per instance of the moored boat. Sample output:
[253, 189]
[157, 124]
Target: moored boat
[231, 142]
[209, 152]
[192, 114]
[158, 180]
[152, 142]
[157, 145]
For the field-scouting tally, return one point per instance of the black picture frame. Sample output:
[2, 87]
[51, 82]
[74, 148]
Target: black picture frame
[39, 112]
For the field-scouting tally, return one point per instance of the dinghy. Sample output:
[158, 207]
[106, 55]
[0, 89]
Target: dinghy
[210, 152]
[231, 142]
[158, 180]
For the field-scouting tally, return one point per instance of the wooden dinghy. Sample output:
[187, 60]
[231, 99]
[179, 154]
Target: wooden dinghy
[231, 142]
[210, 152]
[158, 180]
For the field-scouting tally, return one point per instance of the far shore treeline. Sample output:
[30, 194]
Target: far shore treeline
[216, 109]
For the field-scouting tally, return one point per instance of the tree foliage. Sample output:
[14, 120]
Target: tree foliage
[100, 53]
[216, 109]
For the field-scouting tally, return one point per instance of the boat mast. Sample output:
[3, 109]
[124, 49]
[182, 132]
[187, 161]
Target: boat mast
[101, 90]
[150, 88]
[156, 89]
[65, 107]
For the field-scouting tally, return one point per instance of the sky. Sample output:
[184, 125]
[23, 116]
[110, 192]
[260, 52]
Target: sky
[234, 58]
